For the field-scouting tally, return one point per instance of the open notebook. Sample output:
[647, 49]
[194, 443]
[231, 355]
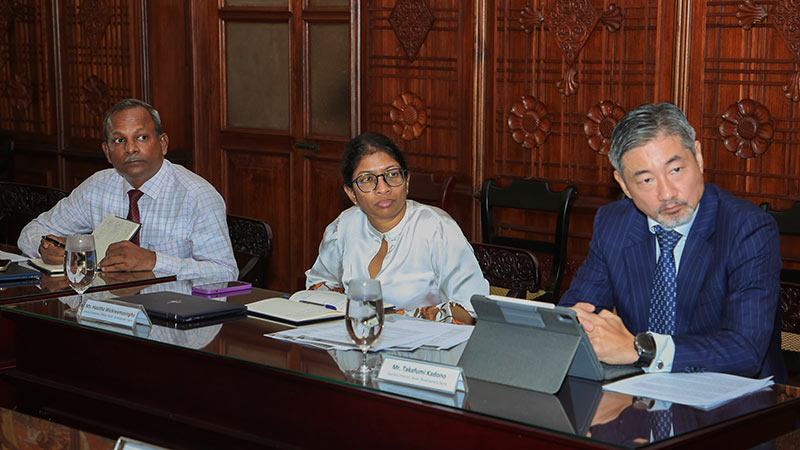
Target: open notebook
[112, 229]
[303, 307]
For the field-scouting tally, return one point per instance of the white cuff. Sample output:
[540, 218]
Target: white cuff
[665, 354]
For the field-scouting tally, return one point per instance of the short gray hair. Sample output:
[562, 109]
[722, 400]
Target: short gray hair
[646, 123]
[129, 103]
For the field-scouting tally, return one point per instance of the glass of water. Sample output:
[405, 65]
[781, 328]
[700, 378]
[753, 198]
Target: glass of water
[80, 262]
[364, 318]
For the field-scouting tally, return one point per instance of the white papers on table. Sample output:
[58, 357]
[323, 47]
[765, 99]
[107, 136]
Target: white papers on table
[12, 256]
[702, 390]
[399, 333]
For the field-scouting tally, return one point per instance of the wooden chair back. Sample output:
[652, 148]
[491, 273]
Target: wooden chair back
[532, 195]
[424, 189]
[789, 224]
[251, 240]
[514, 269]
[21, 203]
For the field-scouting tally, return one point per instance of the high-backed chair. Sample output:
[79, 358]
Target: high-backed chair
[789, 224]
[513, 272]
[532, 195]
[21, 203]
[252, 247]
[424, 189]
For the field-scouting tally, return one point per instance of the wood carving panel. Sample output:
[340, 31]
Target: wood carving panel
[101, 62]
[439, 123]
[585, 63]
[27, 100]
[411, 21]
[747, 128]
[785, 17]
[539, 50]
[258, 186]
[745, 122]
[435, 76]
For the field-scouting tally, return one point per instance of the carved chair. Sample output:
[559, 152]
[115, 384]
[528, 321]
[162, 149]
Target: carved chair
[424, 189]
[789, 224]
[532, 195]
[252, 247]
[21, 203]
[512, 272]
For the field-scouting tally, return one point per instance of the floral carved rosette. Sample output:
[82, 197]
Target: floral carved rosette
[600, 123]
[19, 92]
[409, 116]
[94, 95]
[529, 122]
[746, 128]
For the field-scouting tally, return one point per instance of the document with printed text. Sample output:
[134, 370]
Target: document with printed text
[702, 390]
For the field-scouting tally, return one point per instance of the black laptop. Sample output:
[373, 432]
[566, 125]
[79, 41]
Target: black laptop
[183, 308]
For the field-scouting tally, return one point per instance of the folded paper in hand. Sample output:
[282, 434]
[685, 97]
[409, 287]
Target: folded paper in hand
[111, 230]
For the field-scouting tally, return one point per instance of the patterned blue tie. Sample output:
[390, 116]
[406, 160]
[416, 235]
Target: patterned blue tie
[662, 301]
[661, 424]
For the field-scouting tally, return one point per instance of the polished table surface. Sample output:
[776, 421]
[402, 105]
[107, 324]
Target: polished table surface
[227, 382]
[56, 285]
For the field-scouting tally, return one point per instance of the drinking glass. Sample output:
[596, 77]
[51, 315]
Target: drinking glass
[80, 262]
[364, 317]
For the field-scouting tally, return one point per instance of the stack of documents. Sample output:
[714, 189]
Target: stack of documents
[701, 390]
[399, 333]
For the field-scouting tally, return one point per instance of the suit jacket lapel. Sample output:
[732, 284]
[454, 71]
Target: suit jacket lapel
[695, 258]
[639, 256]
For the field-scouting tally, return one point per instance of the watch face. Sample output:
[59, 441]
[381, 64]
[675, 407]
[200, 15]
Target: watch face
[645, 344]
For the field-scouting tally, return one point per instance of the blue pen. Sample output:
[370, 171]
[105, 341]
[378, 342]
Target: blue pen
[324, 305]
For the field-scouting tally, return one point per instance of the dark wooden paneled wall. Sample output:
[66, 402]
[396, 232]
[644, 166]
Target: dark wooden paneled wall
[61, 69]
[505, 88]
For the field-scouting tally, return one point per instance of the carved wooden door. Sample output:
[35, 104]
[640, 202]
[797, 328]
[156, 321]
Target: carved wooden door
[280, 79]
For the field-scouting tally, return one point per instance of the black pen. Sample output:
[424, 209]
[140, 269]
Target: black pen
[55, 242]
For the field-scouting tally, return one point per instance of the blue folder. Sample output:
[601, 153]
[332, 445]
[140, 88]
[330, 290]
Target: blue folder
[16, 272]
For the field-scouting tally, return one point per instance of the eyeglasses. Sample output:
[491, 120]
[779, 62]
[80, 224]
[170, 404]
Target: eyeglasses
[368, 182]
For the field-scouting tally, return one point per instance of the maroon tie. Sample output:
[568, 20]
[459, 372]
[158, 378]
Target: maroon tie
[133, 210]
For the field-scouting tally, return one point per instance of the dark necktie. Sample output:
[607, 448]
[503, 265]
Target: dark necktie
[133, 210]
[662, 301]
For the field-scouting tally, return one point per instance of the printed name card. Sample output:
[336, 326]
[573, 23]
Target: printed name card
[114, 312]
[422, 374]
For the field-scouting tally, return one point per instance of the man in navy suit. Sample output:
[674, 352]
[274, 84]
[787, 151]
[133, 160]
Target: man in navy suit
[723, 313]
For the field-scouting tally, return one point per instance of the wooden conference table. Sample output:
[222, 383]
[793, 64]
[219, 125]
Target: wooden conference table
[228, 386]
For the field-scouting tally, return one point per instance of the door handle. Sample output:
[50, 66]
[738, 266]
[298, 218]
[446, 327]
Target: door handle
[306, 146]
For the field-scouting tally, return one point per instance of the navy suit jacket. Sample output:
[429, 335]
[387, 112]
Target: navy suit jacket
[727, 313]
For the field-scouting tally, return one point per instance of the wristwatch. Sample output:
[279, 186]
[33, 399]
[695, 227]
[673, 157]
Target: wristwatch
[645, 346]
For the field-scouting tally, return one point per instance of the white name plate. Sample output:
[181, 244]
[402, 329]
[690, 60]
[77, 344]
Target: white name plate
[423, 374]
[114, 312]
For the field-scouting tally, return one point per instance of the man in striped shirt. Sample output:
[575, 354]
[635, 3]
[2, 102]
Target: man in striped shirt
[183, 223]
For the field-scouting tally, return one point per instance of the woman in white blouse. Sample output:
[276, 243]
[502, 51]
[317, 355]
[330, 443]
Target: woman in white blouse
[422, 259]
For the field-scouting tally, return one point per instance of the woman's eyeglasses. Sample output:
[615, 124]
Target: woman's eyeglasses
[368, 182]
